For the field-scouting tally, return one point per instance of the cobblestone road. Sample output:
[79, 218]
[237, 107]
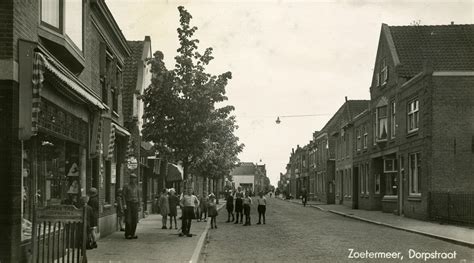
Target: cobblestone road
[304, 234]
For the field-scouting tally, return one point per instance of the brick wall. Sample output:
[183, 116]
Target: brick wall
[25, 22]
[6, 29]
[453, 134]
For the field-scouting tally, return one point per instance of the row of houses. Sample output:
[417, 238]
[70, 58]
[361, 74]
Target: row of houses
[71, 114]
[409, 149]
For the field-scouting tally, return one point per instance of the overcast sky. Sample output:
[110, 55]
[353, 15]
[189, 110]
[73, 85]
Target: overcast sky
[286, 57]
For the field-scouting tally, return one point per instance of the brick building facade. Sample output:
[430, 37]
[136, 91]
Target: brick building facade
[62, 132]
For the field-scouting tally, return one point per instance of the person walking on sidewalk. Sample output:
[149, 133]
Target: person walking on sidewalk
[203, 204]
[213, 210]
[238, 205]
[262, 207]
[230, 207]
[163, 202]
[173, 202]
[188, 203]
[247, 202]
[304, 196]
[131, 196]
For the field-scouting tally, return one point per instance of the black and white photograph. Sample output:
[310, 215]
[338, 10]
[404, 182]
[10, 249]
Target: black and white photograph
[209, 131]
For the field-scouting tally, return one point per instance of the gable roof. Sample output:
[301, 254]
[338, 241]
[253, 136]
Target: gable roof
[348, 111]
[445, 47]
[244, 168]
[130, 76]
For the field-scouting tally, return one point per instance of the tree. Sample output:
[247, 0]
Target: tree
[180, 104]
[222, 148]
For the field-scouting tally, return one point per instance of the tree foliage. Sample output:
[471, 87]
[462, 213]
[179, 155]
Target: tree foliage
[180, 115]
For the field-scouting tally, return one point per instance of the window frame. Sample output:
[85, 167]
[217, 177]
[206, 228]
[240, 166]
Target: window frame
[365, 142]
[61, 29]
[378, 122]
[384, 72]
[413, 115]
[393, 119]
[359, 140]
[377, 183]
[414, 178]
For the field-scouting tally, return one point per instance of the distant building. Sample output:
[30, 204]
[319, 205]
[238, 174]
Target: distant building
[250, 177]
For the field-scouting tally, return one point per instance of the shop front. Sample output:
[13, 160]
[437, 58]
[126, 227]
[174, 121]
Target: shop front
[55, 144]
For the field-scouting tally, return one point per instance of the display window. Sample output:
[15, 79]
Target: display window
[57, 165]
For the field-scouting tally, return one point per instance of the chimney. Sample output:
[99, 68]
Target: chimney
[452, 22]
[346, 98]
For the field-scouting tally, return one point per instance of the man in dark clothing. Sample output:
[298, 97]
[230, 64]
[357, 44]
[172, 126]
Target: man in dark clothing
[131, 197]
[304, 196]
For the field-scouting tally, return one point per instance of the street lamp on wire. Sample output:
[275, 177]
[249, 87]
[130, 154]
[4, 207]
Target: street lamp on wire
[278, 121]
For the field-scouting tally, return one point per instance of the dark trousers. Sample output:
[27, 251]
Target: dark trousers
[131, 219]
[187, 217]
[247, 213]
[261, 212]
[230, 210]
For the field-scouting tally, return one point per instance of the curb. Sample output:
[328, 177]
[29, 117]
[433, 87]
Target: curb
[202, 239]
[447, 239]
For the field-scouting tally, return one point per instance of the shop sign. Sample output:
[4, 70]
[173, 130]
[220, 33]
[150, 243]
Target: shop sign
[65, 213]
[132, 163]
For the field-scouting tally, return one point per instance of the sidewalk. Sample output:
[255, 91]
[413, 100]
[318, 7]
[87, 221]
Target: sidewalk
[153, 244]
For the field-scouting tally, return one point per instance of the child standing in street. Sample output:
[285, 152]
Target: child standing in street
[247, 201]
[230, 207]
[238, 205]
[173, 202]
[212, 210]
[262, 207]
[203, 204]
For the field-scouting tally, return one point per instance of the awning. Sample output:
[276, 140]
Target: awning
[121, 130]
[174, 173]
[62, 74]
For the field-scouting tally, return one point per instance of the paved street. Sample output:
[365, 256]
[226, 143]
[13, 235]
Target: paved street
[305, 234]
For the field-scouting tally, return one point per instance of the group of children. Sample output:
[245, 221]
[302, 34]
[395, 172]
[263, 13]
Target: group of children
[242, 204]
[204, 207]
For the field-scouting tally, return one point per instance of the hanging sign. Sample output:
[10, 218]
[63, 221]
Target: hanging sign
[132, 163]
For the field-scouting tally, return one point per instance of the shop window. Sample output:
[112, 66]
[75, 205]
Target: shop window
[58, 175]
[414, 173]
